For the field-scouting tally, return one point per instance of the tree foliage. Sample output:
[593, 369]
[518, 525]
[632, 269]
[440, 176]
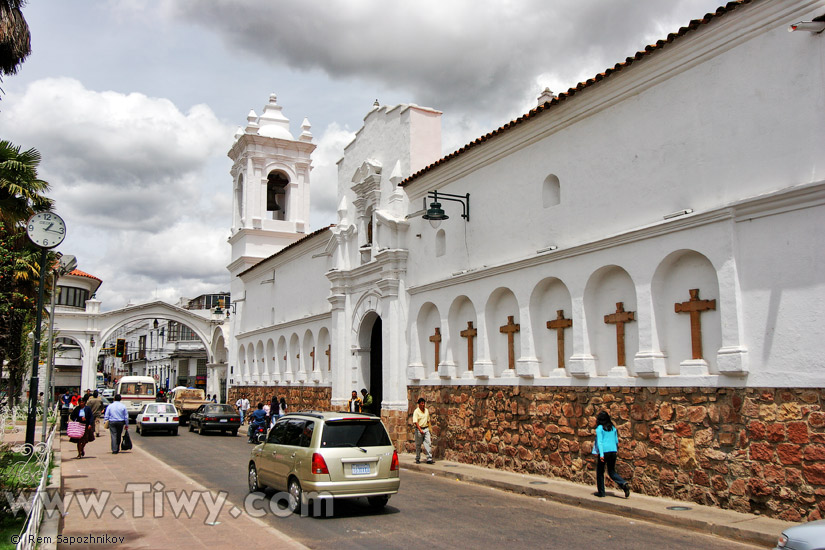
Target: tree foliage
[15, 38]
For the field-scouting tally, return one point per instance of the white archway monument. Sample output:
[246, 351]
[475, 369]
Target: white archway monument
[91, 328]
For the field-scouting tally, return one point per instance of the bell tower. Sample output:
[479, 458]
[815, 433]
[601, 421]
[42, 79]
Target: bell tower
[270, 179]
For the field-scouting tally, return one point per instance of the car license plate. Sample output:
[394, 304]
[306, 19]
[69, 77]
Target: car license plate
[224, 420]
[360, 469]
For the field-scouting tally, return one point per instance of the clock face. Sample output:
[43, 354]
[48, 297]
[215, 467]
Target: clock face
[46, 229]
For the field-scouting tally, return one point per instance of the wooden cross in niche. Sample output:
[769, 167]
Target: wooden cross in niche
[436, 338]
[619, 319]
[559, 324]
[510, 329]
[312, 354]
[469, 334]
[329, 357]
[695, 306]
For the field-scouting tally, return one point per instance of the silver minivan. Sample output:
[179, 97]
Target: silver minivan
[326, 455]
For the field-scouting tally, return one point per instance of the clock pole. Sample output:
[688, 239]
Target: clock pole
[31, 420]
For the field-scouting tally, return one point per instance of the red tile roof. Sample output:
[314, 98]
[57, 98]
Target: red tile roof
[296, 243]
[692, 26]
[79, 273]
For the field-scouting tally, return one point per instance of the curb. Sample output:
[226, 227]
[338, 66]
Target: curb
[735, 526]
[51, 524]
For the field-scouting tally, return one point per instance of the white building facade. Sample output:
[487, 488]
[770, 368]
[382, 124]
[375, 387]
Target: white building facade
[649, 243]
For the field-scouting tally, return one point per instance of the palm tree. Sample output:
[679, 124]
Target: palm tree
[20, 188]
[15, 38]
[21, 194]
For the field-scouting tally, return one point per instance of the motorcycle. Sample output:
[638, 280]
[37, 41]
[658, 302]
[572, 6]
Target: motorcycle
[257, 433]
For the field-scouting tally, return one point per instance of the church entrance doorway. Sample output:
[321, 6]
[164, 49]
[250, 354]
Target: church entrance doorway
[375, 378]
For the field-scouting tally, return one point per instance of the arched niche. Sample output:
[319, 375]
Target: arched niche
[501, 305]
[605, 288]
[293, 355]
[675, 277]
[283, 366]
[549, 297]
[261, 360]
[551, 191]
[272, 361]
[308, 352]
[323, 353]
[429, 319]
[462, 317]
[242, 367]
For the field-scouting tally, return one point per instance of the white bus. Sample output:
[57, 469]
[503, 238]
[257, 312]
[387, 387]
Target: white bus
[135, 392]
[99, 381]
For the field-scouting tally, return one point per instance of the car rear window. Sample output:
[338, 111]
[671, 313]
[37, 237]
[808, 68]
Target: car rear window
[163, 408]
[359, 433]
[216, 409]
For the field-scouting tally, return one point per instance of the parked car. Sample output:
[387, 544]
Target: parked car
[157, 417]
[212, 416]
[328, 454]
[806, 536]
[109, 393]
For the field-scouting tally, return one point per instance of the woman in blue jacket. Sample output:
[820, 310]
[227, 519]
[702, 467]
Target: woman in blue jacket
[607, 443]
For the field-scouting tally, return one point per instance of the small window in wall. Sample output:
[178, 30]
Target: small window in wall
[551, 191]
[440, 243]
[276, 195]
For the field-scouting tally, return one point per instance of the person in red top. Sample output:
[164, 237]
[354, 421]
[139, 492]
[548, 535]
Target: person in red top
[75, 398]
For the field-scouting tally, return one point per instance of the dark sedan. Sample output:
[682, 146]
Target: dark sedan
[222, 418]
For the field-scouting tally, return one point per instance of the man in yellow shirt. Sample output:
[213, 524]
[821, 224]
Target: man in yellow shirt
[421, 421]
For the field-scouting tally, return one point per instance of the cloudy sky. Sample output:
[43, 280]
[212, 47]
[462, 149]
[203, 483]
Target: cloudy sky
[133, 103]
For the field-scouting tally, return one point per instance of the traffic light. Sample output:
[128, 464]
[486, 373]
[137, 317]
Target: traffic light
[120, 347]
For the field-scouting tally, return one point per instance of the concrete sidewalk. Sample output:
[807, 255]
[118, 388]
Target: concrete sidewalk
[706, 519]
[138, 492]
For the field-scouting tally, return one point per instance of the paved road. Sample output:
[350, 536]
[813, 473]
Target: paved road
[428, 512]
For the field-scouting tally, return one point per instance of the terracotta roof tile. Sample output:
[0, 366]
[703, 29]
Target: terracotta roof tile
[79, 273]
[693, 25]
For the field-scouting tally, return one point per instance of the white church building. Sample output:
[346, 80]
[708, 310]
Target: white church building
[649, 243]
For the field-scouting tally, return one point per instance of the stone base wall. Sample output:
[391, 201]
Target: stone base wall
[756, 450]
[318, 399]
[297, 398]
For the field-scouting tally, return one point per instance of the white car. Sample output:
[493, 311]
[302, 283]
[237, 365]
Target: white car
[109, 393]
[157, 417]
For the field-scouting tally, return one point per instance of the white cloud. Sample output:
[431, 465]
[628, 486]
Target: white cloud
[324, 179]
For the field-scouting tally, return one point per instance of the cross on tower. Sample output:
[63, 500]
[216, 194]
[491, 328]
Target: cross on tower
[329, 357]
[436, 338]
[695, 306]
[619, 319]
[469, 334]
[510, 329]
[559, 324]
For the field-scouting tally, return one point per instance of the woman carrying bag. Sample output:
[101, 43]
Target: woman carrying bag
[81, 427]
[607, 445]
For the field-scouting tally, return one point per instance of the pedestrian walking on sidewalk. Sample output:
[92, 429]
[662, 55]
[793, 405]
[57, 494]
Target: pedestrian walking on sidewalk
[118, 418]
[606, 446]
[421, 422]
[96, 404]
[83, 414]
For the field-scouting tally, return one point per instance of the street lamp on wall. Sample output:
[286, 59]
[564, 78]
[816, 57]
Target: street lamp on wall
[435, 214]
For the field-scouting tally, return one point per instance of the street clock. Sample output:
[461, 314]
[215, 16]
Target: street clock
[46, 229]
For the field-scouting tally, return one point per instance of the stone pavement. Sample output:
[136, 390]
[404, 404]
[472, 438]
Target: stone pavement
[706, 519]
[137, 492]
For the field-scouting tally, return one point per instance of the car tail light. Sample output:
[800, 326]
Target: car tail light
[145, 419]
[209, 418]
[394, 464]
[234, 419]
[175, 419]
[319, 465]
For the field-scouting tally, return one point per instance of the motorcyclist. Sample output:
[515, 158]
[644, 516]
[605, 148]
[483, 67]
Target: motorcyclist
[257, 420]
